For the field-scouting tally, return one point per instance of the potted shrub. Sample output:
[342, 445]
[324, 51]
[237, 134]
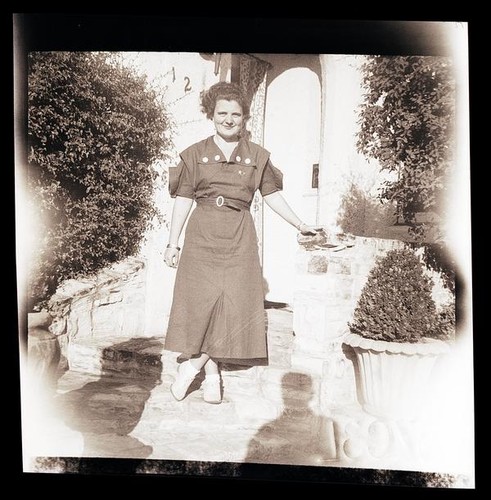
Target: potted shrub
[397, 334]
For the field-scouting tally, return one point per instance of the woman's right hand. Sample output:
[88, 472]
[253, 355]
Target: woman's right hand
[171, 257]
[307, 230]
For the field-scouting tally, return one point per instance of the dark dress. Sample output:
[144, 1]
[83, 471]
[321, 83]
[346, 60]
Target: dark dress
[218, 303]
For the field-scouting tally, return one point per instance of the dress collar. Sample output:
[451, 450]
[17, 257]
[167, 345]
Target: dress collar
[241, 154]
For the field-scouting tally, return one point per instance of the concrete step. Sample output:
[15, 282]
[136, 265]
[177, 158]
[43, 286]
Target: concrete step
[252, 395]
[112, 355]
[115, 402]
[144, 356]
[122, 387]
[125, 417]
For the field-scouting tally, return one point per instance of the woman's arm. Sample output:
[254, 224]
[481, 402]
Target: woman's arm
[276, 202]
[180, 213]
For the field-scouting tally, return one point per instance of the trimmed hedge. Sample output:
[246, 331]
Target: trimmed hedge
[396, 303]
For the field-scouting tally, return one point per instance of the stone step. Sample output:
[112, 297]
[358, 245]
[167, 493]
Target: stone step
[145, 356]
[135, 357]
[115, 401]
[124, 417]
[251, 395]
[248, 392]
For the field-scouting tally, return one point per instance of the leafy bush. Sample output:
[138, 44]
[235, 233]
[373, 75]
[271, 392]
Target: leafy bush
[94, 130]
[361, 215]
[407, 124]
[396, 303]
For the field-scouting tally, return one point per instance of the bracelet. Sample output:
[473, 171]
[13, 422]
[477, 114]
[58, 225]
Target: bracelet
[170, 245]
[300, 225]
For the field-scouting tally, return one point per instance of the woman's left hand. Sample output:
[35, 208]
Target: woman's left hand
[171, 257]
[309, 230]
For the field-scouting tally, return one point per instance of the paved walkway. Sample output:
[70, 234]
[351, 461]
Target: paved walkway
[266, 415]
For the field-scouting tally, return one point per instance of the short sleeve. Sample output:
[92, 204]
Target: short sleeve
[271, 180]
[181, 181]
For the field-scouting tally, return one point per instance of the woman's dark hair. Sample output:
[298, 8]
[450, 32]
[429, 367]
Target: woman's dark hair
[226, 91]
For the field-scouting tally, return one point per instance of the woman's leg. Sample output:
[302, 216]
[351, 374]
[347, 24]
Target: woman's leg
[186, 373]
[200, 361]
[211, 367]
[212, 391]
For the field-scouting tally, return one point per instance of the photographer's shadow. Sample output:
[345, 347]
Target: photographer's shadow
[106, 411]
[299, 436]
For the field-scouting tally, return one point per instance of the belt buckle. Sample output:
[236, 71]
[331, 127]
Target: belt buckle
[220, 201]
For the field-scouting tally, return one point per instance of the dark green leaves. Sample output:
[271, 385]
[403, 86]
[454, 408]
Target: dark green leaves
[407, 123]
[94, 128]
[396, 302]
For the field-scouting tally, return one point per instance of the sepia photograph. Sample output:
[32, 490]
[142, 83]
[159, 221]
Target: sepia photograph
[247, 263]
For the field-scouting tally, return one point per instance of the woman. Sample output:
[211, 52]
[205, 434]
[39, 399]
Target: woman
[218, 307]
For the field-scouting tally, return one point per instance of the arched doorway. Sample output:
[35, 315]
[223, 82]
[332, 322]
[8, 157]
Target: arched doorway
[292, 133]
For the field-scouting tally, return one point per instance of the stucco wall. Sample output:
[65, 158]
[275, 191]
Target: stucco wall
[181, 76]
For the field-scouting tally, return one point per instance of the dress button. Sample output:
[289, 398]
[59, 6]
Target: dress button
[237, 158]
[217, 157]
[247, 161]
[205, 159]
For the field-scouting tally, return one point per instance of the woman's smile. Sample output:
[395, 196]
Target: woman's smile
[228, 119]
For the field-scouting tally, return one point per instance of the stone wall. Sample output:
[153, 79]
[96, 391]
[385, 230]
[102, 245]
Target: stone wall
[109, 304]
[328, 284]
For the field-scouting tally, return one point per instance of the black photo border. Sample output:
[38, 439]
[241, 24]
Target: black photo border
[156, 31]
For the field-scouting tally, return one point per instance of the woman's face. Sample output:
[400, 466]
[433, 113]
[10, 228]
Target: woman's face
[228, 119]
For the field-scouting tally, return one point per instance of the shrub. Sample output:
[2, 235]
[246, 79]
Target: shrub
[361, 215]
[94, 130]
[396, 303]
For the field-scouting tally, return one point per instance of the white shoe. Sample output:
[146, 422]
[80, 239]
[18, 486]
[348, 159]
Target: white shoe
[186, 373]
[212, 391]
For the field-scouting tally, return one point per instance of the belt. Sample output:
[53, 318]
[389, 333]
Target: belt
[221, 201]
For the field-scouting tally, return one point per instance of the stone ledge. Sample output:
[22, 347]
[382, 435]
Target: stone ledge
[43, 352]
[74, 288]
[110, 303]
[325, 240]
[137, 357]
[40, 319]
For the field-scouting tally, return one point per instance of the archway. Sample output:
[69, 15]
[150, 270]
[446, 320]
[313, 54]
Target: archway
[292, 133]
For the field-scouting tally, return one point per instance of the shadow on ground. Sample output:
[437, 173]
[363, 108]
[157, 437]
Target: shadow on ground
[298, 436]
[107, 410]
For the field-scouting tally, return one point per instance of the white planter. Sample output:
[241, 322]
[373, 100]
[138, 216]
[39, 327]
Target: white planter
[394, 377]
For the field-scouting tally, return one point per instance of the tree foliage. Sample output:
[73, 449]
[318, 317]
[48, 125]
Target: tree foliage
[407, 123]
[94, 130]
